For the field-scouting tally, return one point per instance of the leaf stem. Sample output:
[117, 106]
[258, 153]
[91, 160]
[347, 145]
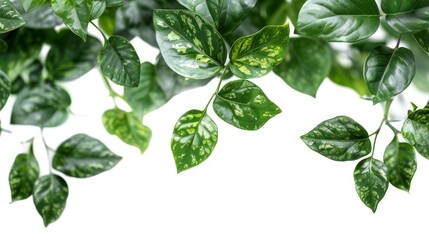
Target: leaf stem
[5, 130]
[383, 121]
[101, 31]
[221, 78]
[47, 150]
[112, 92]
[399, 42]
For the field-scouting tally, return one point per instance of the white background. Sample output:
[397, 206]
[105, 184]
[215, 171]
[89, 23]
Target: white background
[256, 185]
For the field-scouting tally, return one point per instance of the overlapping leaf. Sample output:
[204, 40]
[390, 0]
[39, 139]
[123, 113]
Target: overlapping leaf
[10, 18]
[42, 17]
[32, 4]
[416, 131]
[75, 15]
[97, 8]
[4, 89]
[422, 38]
[406, 16]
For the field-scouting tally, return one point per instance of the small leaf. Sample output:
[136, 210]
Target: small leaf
[75, 15]
[307, 64]
[114, 3]
[190, 46]
[416, 131]
[10, 18]
[32, 4]
[194, 138]
[422, 38]
[406, 16]
[127, 127]
[97, 8]
[44, 105]
[371, 181]
[119, 62]
[400, 160]
[244, 105]
[256, 55]
[41, 17]
[22, 176]
[5, 89]
[388, 72]
[82, 156]
[338, 21]
[340, 139]
[50, 197]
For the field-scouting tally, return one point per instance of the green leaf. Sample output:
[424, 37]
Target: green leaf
[107, 21]
[340, 139]
[371, 181]
[75, 15]
[5, 89]
[50, 197]
[10, 18]
[82, 156]
[225, 15]
[97, 8]
[388, 72]
[22, 176]
[307, 64]
[400, 160]
[422, 38]
[40, 18]
[416, 131]
[32, 4]
[244, 105]
[256, 55]
[114, 3]
[190, 46]
[3, 46]
[339, 21]
[44, 105]
[194, 138]
[406, 16]
[69, 58]
[119, 62]
[127, 127]
[148, 96]
[293, 10]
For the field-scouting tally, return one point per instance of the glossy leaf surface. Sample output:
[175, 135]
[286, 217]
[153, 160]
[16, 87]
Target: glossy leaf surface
[406, 16]
[4, 89]
[416, 131]
[97, 8]
[10, 18]
[32, 4]
[422, 38]
[75, 15]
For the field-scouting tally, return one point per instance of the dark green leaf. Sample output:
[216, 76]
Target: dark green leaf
[44, 105]
[82, 156]
[5, 89]
[3, 46]
[32, 4]
[50, 197]
[340, 139]
[371, 181]
[22, 176]
[97, 9]
[258, 54]
[32, 75]
[339, 21]
[69, 58]
[400, 160]
[306, 65]
[225, 15]
[422, 38]
[244, 105]
[388, 72]
[127, 127]
[194, 138]
[406, 16]
[10, 18]
[114, 3]
[416, 131]
[40, 18]
[119, 62]
[75, 15]
[190, 46]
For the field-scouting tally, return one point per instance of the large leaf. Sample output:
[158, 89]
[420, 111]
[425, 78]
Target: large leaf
[82, 156]
[340, 138]
[339, 21]
[10, 18]
[306, 65]
[422, 38]
[388, 72]
[50, 197]
[4, 89]
[194, 138]
[69, 58]
[127, 127]
[40, 18]
[190, 46]
[119, 62]
[371, 181]
[75, 15]
[29, 5]
[416, 131]
[406, 16]
[400, 160]
[22, 176]
[44, 105]
[225, 15]
[244, 105]
[256, 55]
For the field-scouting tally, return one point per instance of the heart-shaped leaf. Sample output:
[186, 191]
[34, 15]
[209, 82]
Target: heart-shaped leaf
[406, 16]
[422, 38]
[10, 18]
[416, 131]
[4, 89]
[75, 15]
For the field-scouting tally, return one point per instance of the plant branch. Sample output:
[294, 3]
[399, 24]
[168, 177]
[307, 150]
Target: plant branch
[47, 150]
[383, 121]
[101, 31]
[399, 41]
[112, 92]
[221, 78]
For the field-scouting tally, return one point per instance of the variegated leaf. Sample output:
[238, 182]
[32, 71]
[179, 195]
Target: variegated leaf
[371, 181]
[416, 131]
[82, 156]
[97, 8]
[75, 15]
[50, 197]
[4, 89]
[244, 105]
[256, 55]
[194, 138]
[340, 139]
[127, 127]
[10, 18]
[190, 46]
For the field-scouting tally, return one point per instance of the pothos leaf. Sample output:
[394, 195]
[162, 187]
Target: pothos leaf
[257, 54]
[75, 15]
[416, 131]
[4, 89]
[194, 138]
[32, 4]
[340, 139]
[97, 8]
[10, 18]
[41, 17]
[406, 16]
[422, 38]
